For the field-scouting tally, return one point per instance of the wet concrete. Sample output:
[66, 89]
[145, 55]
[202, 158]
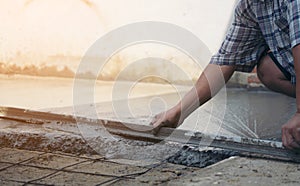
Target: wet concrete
[252, 114]
[262, 112]
[191, 156]
[50, 137]
[255, 114]
[248, 113]
[82, 138]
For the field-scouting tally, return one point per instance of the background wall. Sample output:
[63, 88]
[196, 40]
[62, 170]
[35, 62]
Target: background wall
[49, 37]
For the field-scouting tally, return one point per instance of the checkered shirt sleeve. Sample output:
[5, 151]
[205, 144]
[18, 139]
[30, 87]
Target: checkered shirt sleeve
[244, 43]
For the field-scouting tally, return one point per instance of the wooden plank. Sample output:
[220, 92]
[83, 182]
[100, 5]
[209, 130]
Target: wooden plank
[10, 112]
[245, 146]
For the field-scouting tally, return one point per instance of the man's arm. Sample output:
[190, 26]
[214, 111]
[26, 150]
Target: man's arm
[291, 130]
[209, 83]
[238, 51]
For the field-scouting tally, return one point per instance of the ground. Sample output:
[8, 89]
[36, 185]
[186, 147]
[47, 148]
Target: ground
[45, 162]
[24, 167]
[57, 153]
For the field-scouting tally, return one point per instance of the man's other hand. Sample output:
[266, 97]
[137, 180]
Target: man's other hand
[291, 133]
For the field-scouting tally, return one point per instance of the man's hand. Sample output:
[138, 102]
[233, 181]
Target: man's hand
[291, 133]
[170, 118]
[209, 83]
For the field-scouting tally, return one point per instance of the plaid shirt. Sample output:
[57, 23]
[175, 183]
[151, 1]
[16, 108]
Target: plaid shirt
[261, 25]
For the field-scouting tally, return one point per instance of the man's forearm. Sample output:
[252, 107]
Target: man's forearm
[296, 54]
[209, 83]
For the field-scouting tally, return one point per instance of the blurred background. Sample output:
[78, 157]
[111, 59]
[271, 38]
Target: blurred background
[50, 37]
[42, 42]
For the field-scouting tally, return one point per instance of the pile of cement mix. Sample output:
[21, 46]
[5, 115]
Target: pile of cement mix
[194, 157]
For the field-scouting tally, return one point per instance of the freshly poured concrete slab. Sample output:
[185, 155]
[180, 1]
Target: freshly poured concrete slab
[100, 136]
[253, 114]
[259, 106]
[48, 92]
[236, 112]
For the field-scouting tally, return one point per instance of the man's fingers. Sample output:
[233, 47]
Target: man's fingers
[284, 141]
[288, 139]
[158, 126]
[294, 145]
[155, 119]
[296, 139]
[296, 134]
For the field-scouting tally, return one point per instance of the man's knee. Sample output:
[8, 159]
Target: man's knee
[266, 72]
[273, 78]
[265, 77]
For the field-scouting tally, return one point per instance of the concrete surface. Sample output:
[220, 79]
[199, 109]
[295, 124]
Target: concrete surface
[122, 162]
[247, 113]
[20, 167]
[23, 167]
[45, 162]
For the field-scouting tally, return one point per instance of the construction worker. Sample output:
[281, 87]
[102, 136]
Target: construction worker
[266, 34]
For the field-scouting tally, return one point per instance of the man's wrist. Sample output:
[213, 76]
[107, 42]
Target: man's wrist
[297, 106]
[178, 109]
